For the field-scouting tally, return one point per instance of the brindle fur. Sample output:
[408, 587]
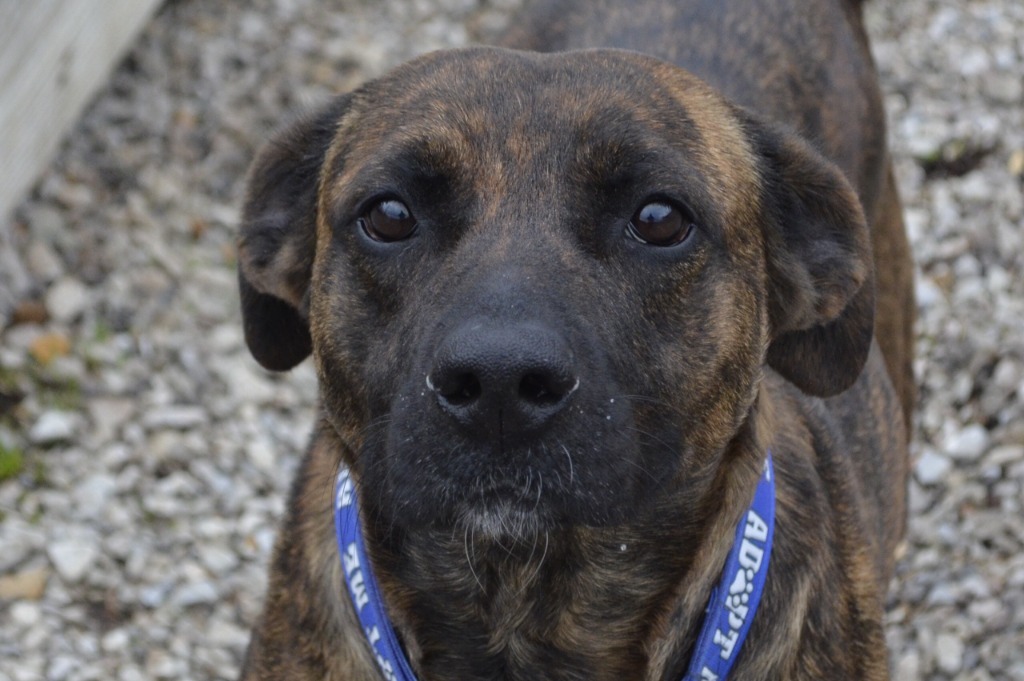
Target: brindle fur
[588, 550]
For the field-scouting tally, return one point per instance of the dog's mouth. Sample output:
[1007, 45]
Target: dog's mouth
[590, 469]
[463, 485]
[511, 507]
[504, 517]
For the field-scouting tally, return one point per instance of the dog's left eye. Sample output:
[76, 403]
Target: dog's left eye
[388, 220]
[660, 223]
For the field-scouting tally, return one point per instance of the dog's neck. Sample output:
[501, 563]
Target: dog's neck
[485, 610]
[597, 603]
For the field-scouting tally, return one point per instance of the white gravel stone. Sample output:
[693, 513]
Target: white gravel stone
[108, 415]
[241, 377]
[163, 665]
[130, 672]
[195, 594]
[227, 634]
[226, 338]
[25, 613]
[932, 468]
[218, 559]
[949, 653]
[116, 642]
[1004, 455]
[93, 494]
[62, 667]
[47, 223]
[54, 426]
[155, 595]
[975, 187]
[43, 262]
[944, 594]
[66, 299]
[176, 417]
[261, 453]
[928, 293]
[1005, 88]
[73, 556]
[21, 541]
[909, 666]
[968, 444]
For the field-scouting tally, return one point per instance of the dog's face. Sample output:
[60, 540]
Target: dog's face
[540, 290]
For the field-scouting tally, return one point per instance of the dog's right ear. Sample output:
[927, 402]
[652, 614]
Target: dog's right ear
[277, 240]
[820, 270]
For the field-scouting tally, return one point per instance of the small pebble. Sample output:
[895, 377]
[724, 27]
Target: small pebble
[67, 299]
[53, 426]
[949, 653]
[932, 468]
[968, 444]
[73, 557]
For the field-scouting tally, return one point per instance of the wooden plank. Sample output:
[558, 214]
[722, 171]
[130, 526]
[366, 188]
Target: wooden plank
[54, 56]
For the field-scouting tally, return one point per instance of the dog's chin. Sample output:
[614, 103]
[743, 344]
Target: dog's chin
[507, 515]
[504, 523]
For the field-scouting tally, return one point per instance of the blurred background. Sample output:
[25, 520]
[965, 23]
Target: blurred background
[144, 457]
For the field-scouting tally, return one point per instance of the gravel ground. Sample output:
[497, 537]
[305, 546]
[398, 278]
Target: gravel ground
[144, 457]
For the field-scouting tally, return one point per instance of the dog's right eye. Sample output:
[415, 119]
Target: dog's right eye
[388, 220]
[660, 223]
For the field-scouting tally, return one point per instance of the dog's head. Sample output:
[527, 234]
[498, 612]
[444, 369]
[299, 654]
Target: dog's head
[541, 288]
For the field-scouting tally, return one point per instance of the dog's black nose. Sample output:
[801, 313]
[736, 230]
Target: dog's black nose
[503, 381]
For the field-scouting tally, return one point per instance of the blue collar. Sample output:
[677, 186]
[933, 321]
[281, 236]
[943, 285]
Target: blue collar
[727, 618]
[734, 600]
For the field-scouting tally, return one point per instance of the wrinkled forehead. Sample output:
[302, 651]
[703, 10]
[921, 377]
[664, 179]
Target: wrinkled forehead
[477, 109]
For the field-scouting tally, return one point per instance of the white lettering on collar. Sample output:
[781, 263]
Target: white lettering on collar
[354, 574]
[374, 637]
[346, 491]
[751, 558]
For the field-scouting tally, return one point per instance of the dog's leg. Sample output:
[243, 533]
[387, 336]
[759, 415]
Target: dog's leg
[895, 313]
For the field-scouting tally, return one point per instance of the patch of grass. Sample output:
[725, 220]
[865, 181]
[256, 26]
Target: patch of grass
[12, 462]
[40, 475]
[102, 331]
[8, 379]
[10, 391]
[66, 396]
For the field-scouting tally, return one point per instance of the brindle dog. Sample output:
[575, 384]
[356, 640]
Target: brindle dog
[561, 305]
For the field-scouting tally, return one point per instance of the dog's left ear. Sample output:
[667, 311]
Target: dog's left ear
[820, 270]
[277, 240]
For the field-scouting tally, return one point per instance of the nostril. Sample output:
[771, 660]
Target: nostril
[543, 390]
[536, 389]
[459, 389]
